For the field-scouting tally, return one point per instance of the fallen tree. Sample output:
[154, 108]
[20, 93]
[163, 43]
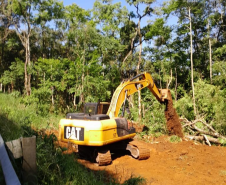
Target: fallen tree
[206, 134]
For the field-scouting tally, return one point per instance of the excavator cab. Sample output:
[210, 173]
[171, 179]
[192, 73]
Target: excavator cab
[90, 113]
[91, 108]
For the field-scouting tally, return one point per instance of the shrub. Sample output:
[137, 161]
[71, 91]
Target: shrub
[210, 104]
[175, 139]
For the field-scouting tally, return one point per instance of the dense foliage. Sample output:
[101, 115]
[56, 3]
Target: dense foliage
[54, 58]
[59, 57]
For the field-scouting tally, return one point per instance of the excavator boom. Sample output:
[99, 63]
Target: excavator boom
[127, 88]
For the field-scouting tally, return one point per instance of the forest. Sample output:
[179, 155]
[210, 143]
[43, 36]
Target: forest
[55, 58]
[59, 57]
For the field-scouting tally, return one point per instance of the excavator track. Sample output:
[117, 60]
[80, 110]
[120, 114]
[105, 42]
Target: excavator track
[143, 152]
[103, 158]
[100, 155]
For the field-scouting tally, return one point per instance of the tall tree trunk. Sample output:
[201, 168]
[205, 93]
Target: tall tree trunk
[138, 69]
[52, 87]
[160, 83]
[53, 102]
[140, 42]
[192, 76]
[210, 51]
[2, 58]
[176, 84]
[74, 100]
[2, 52]
[169, 80]
[27, 64]
[131, 50]
[82, 99]
[12, 86]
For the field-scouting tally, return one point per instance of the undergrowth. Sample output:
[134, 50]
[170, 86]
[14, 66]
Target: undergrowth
[175, 139]
[54, 167]
[14, 115]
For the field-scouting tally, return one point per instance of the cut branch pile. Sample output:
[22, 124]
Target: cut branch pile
[207, 134]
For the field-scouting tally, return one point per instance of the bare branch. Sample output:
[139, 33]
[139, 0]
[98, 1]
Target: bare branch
[211, 131]
[207, 140]
[201, 138]
[132, 47]
[171, 77]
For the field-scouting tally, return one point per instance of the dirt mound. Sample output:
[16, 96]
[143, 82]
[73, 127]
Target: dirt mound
[173, 123]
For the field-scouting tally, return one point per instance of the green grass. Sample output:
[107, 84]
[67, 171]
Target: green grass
[54, 167]
[14, 116]
[175, 139]
[223, 172]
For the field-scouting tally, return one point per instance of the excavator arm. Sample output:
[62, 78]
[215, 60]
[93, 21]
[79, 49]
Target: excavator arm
[127, 88]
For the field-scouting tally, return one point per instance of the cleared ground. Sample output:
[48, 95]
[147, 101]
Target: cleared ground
[186, 163]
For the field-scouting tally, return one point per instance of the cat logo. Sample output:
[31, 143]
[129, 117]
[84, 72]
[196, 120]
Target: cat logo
[75, 133]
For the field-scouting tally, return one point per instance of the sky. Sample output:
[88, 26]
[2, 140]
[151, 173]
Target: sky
[88, 4]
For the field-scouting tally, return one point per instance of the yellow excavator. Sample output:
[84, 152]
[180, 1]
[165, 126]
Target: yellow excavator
[99, 135]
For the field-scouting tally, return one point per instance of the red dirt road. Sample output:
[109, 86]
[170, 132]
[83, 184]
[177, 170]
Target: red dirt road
[183, 163]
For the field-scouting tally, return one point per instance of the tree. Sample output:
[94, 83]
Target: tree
[147, 11]
[191, 52]
[183, 10]
[109, 18]
[22, 21]
[13, 76]
[4, 31]
[22, 18]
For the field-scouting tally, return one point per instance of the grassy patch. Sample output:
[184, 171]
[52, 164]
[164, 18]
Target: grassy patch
[135, 181]
[175, 139]
[56, 168]
[14, 116]
[223, 172]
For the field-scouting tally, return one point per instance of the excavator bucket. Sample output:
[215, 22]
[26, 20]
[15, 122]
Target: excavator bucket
[165, 94]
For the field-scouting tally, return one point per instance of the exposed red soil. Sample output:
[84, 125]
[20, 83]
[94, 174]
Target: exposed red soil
[184, 163]
[138, 127]
[172, 164]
